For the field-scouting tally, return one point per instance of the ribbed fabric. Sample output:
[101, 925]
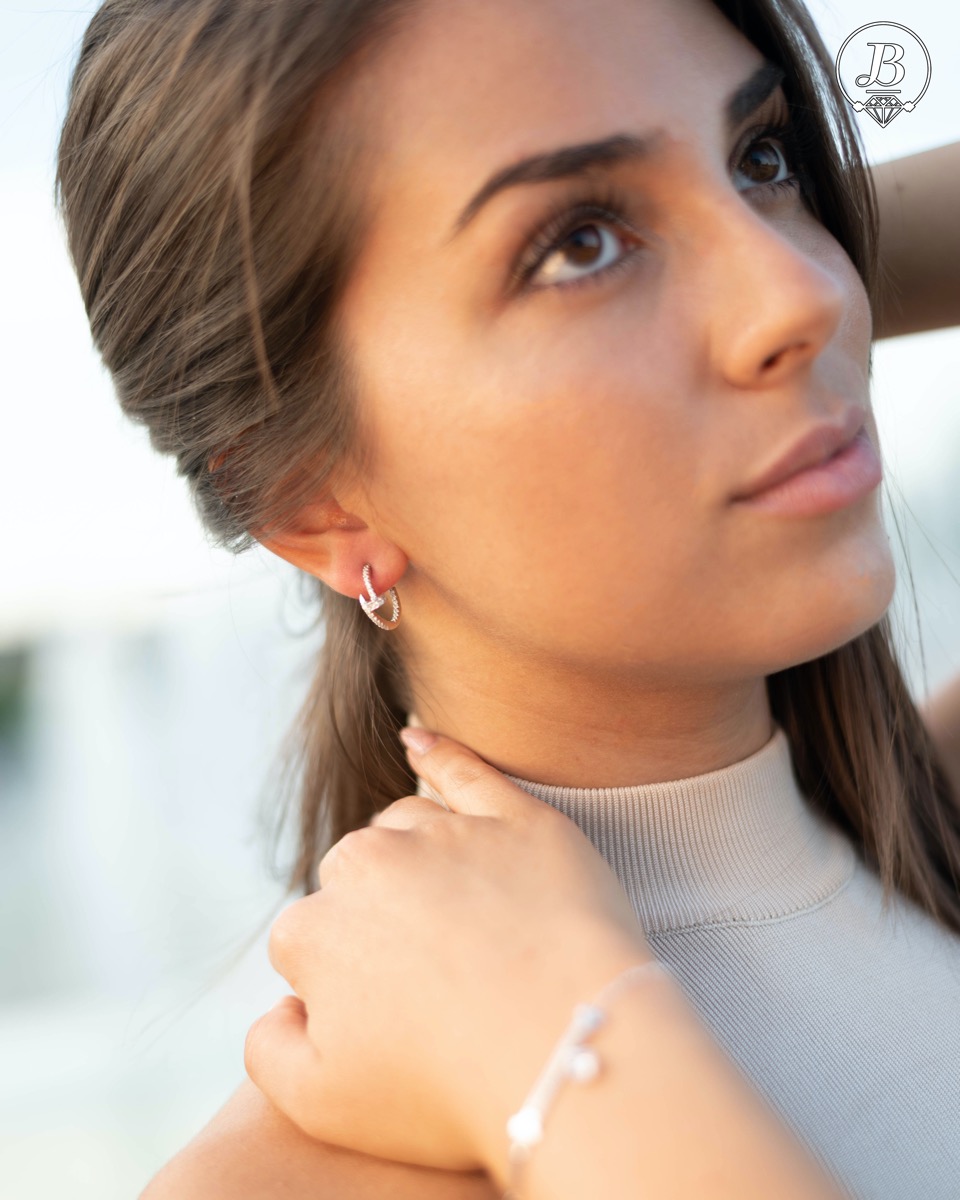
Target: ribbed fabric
[845, 1018]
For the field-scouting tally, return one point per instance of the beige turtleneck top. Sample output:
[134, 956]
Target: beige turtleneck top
[846, 1019]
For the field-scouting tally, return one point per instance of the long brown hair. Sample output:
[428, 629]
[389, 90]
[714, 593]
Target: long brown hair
[211, 184]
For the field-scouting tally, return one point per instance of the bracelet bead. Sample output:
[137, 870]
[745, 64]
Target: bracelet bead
[584, 1066]
[570, 1059]
[525, 1127]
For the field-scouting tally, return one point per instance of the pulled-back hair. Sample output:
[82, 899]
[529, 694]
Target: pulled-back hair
[211, 183]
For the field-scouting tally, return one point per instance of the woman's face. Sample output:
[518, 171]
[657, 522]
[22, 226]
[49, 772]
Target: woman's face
[558, 422]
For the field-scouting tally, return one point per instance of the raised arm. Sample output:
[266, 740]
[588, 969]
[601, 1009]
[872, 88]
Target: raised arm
[941, 715]
[918, 199]
[919, 241]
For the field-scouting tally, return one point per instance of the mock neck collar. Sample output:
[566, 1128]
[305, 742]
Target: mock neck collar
[739, 844]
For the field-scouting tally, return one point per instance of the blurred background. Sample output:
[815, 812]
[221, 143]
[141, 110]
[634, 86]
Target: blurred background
[146, 680]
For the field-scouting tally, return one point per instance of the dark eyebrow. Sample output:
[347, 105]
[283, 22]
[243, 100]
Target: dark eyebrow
[620, 147]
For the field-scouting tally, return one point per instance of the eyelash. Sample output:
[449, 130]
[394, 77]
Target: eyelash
[607, 203]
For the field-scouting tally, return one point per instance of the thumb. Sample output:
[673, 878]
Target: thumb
[461, 778]
[285, 1065]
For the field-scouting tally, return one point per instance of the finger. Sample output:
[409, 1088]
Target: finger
[357, 843]
[286, 1066]
[327, 866]
[297, 937]
[406, 813]
[462, 778]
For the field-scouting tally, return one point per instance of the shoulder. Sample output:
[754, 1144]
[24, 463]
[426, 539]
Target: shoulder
[250, 1151]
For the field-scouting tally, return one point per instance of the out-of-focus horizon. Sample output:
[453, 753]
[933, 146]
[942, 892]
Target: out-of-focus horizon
[146, 679]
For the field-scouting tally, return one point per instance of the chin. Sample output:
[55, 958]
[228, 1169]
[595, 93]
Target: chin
[838, 599]
[851, 604]
[861, 578]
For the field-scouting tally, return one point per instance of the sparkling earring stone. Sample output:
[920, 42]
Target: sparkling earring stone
[371, 602]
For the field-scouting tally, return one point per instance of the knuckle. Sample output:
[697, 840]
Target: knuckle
[283, 936]
[400, 811]
[345, 856]
[251, 1047]
[383, 815]
[353, 845]
[373, 845]
[351, 856]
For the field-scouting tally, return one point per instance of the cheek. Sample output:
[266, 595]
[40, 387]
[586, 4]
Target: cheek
[554, 464]
[535, 421]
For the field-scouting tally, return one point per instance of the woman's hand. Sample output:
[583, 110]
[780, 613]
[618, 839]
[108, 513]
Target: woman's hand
[437, 966]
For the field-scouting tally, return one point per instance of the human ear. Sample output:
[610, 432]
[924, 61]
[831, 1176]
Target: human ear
[334, 545]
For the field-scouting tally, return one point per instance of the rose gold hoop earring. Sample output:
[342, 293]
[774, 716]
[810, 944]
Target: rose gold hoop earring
[369, 604]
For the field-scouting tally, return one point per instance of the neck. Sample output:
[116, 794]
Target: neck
[548, 722]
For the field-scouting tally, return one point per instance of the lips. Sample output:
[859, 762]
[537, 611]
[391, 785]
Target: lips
[814, 447]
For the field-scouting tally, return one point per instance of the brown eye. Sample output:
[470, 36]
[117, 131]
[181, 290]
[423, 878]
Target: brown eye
[578, 244]
[590, 245]
[764, 161]
[583, 245]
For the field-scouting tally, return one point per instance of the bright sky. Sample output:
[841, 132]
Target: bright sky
[95, 524]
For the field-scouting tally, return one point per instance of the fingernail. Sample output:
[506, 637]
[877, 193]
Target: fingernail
[417, 740]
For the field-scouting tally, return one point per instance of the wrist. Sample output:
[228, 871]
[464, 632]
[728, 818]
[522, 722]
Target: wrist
[535, 1026]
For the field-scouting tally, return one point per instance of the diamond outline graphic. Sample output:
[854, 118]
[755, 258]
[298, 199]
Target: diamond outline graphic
[883, 108]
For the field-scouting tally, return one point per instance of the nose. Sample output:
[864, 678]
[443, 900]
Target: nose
[773, 302]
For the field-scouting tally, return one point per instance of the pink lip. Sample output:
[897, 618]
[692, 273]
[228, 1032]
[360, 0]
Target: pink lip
[817, 445]
[849, 475]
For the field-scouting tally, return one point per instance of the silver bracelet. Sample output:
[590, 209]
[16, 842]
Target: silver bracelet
[571, 1059]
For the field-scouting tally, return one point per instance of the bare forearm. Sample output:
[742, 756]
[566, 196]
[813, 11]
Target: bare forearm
[918, 197]
[250, 1151]
[670, 1115]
